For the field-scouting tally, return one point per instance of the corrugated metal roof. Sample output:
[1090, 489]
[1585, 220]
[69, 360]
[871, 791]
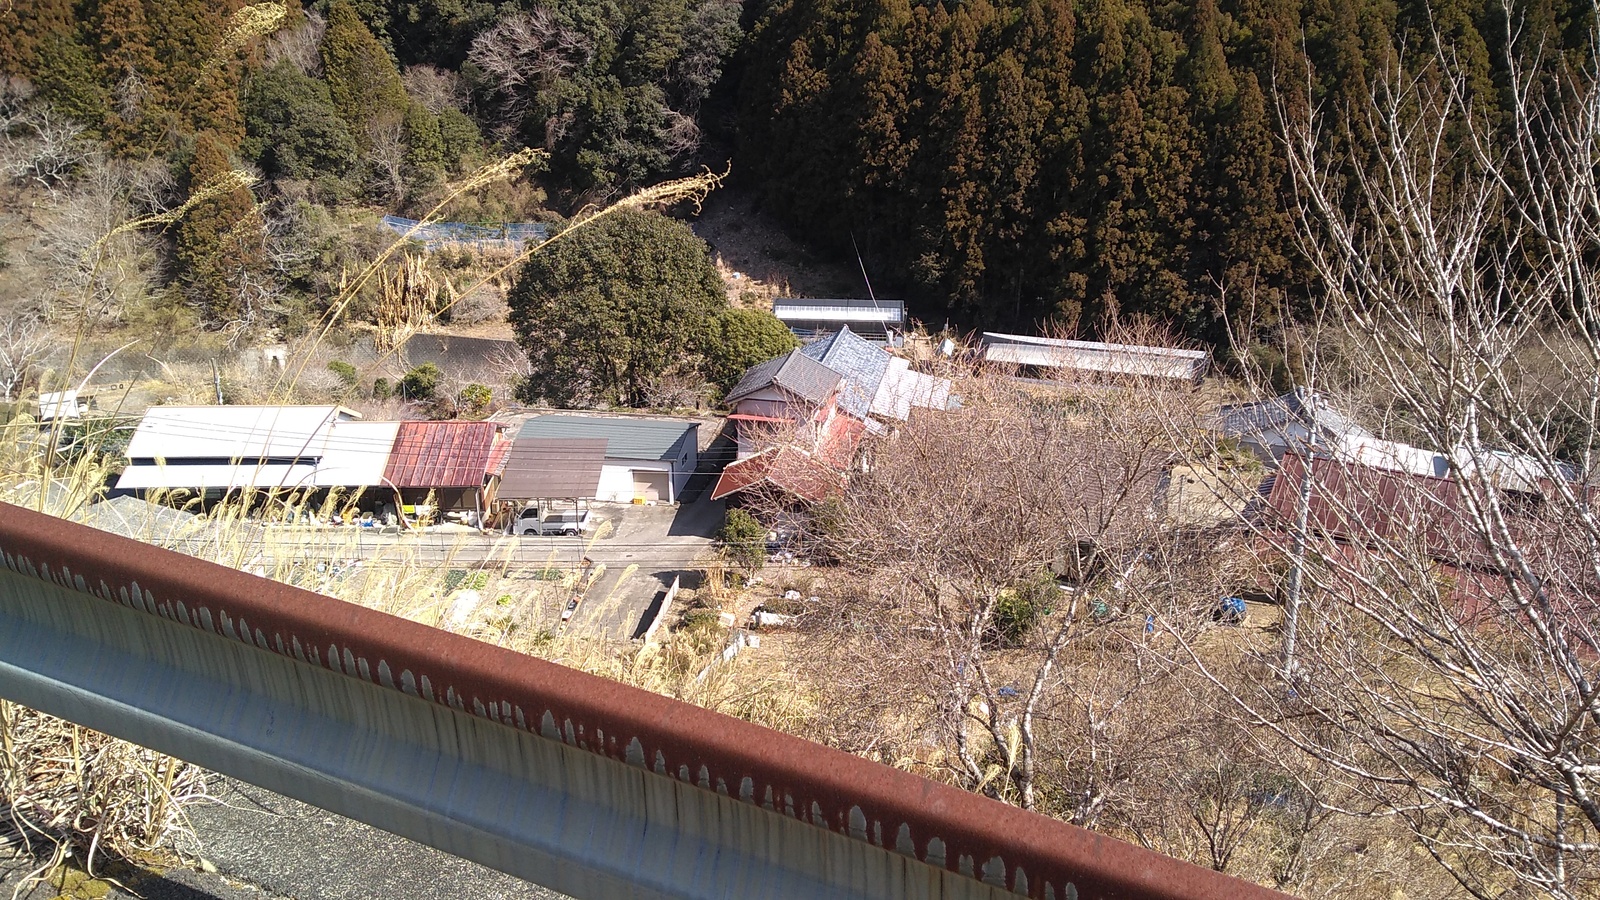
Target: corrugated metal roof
[441, 454]
[860, 363]
[356, 454]
[229, 432]
[882, 312]
[500, 453]
[1299, 406]
[793, 372]
[626, 438]
[785, 468]
[553, 468]
[1125, 359]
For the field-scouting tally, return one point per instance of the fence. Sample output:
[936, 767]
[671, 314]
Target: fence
[513, 236]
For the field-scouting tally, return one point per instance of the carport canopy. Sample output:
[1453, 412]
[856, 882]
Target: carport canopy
[553, 469]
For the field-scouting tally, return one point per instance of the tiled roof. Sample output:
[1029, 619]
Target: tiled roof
[626, 437]
[860, 362]
[785, 468]
[793, 372]
[441, 454]
[1298, 406]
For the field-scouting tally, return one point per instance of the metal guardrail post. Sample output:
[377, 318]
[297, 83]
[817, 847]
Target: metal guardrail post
[588, 786]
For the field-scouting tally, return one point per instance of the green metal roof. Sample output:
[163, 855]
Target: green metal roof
[626, 438]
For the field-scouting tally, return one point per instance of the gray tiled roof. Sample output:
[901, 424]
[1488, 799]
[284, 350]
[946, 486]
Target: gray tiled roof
[627, 438]
[1297, 406]
[861, 362]
[793, 372]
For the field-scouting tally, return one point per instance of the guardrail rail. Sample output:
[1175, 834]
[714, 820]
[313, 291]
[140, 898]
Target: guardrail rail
[588, 786]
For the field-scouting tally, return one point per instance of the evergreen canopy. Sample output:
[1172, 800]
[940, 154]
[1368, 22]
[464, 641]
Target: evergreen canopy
[606, 311]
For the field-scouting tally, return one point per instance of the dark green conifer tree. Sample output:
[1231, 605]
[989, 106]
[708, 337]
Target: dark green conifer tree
[361, 77]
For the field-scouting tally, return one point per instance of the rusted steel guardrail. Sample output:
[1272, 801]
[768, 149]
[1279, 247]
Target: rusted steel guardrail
[588, 786]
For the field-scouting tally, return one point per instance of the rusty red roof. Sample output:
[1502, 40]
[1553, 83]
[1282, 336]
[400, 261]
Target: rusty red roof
[785, 468]
[441, 454]
[499, 454]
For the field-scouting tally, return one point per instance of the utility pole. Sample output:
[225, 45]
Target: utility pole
[1297, 562]
[216, 378]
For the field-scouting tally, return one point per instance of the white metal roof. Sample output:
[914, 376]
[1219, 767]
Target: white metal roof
[995, 337]
[62, 403]
[174, 433]
[887, 313]
[901, 389]
[355, 454]
[1127, 359]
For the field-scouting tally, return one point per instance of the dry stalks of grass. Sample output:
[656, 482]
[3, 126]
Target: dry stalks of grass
[86, 793]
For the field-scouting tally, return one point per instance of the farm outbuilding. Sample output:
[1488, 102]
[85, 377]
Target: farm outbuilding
[874, 319]
[449, 461]
[1044, 354]
[216, 449]
[645, 460]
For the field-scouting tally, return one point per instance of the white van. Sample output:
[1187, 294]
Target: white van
[569, 521]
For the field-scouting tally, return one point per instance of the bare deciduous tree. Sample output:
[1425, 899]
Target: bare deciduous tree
[958, 530]
[300, 46]
[23, 345]
[388, 158]
[435, 88]
[1447, 670]
[41, 146]
[522, 52]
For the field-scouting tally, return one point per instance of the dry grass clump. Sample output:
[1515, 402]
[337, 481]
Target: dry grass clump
[87, 794]
[67, 787]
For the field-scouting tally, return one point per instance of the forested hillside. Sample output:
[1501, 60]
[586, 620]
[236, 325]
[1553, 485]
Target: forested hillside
[1026, 160]
[130, 111]
[1002, 162]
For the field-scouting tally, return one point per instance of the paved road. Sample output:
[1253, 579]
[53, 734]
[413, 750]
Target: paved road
[257, 845]
[642, 549]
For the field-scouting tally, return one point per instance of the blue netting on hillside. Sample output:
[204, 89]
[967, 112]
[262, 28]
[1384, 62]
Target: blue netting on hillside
[511, 236]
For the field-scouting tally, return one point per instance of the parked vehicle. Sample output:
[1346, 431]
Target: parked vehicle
[570, 522]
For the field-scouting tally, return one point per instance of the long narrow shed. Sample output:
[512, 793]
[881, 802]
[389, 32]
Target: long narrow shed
[1034, 352]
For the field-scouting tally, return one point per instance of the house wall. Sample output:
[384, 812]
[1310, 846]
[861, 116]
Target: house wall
[753, 437]
[776, 406]
[688, 460]
[616, 479]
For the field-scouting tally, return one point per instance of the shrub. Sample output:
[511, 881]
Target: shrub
[421, 382]
[346, 372]
[1022, 606]
[475, 399]
[381, 389]
[744, 539]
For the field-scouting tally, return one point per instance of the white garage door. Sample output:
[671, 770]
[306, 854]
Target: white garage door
[650, 485]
